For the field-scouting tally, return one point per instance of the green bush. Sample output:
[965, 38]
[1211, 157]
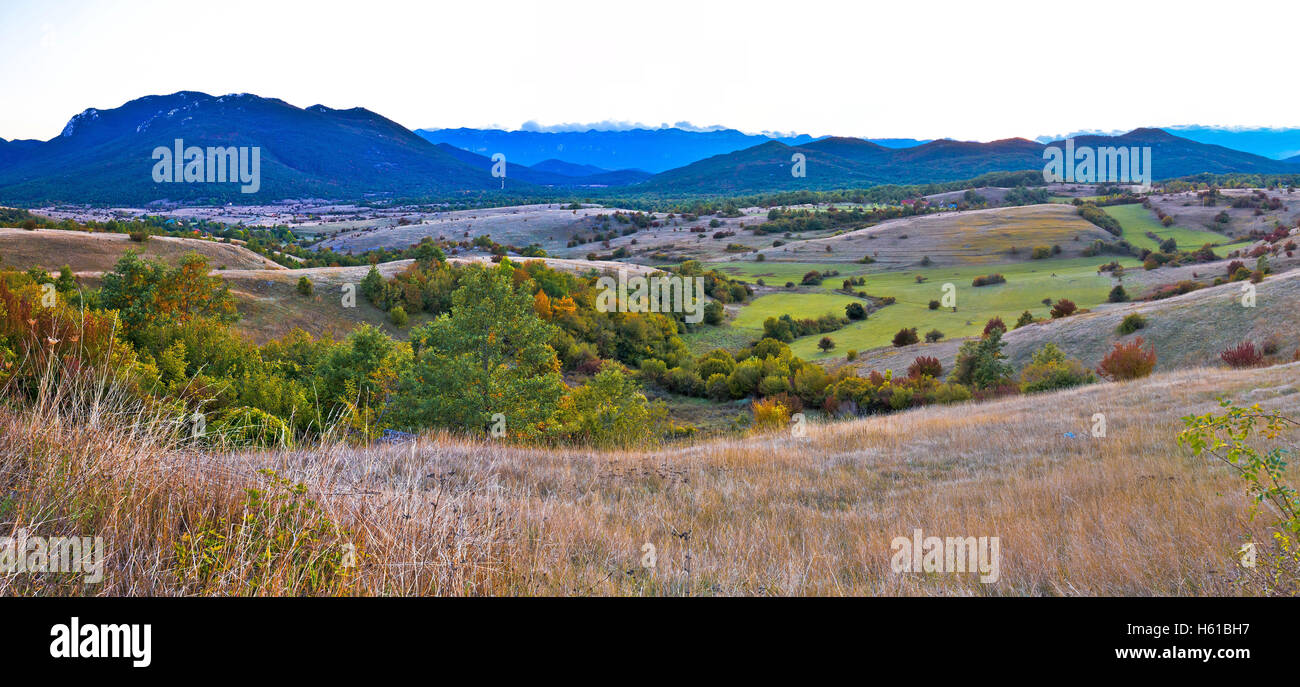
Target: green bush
[398, 316]
[1132, 322]
[1050, 369]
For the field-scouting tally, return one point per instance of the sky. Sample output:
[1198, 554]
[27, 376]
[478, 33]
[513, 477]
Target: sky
[965, 70]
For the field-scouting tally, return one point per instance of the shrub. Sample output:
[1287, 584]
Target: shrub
[855, 311]
[1050, 369]
[29, 224]
[1026, 317]
[988, 279]
[139, 236]
[905, 337]
[398, 316]
[925, 365]
[1128, 361]
[680, 380]
[813, 278]
[770, 415]
[934, 305]
[304, 286]
[826, 343]
[1242, 355]
[851, 355]
[995, 323]
[950, 393]
[1063, 308]
[1132, 322]
[1117, 294]
[933, 336]
[1040, 253]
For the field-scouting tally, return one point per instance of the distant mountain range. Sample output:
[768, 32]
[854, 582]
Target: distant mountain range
[106, 157]
[652, 150]
[847, 162]
[1275, 143]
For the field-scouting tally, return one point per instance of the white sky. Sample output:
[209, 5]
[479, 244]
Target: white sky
[967, 70]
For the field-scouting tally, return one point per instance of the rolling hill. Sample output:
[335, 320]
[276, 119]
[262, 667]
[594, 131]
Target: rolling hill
[85, 252]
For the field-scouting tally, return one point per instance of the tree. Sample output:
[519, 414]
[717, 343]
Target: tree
[304, 286]
[146, 293]
[1117, 294]
[610, 410]
[489, 355]
[980, 363]
[372, 287]
[855, 311]
[826, 344]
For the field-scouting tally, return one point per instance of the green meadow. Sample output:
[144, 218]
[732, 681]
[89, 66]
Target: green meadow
[1137, 221]
[1027, 285]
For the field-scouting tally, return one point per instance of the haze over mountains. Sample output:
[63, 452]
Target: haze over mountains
[105, 157]
[1275, 143]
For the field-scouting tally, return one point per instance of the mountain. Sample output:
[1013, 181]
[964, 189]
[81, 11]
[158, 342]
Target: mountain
[539, 176]
[12, 151]
[1278, 144]
[847, 162]
[567, 169]
[1175, 156]
[105, 156]
[653, 150]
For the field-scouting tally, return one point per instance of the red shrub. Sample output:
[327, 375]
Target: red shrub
[1127, 361]
[1243, 355]
[925, 365]
[1063, 308]
[995, 323]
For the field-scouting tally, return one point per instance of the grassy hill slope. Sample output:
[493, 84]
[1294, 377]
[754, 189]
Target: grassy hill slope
[98, 252]
[1186, 331]
[1129, 513]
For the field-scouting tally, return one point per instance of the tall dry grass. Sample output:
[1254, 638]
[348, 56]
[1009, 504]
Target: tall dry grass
[1130, 513]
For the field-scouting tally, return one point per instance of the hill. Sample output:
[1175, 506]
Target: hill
[773, 515]
[653, 150]
[1187, 331]
[588, 176]
[98, 252]
[104, 156]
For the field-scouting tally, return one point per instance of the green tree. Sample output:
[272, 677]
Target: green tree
[610, 410]
[489, 355]
[981, 363]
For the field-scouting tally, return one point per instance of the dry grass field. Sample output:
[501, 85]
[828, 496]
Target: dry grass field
[1130, 513]
[98, 252]
[972, 237]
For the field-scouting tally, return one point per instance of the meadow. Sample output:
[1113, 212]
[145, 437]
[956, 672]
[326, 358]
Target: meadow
[1137, 221]
[1028, 283]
